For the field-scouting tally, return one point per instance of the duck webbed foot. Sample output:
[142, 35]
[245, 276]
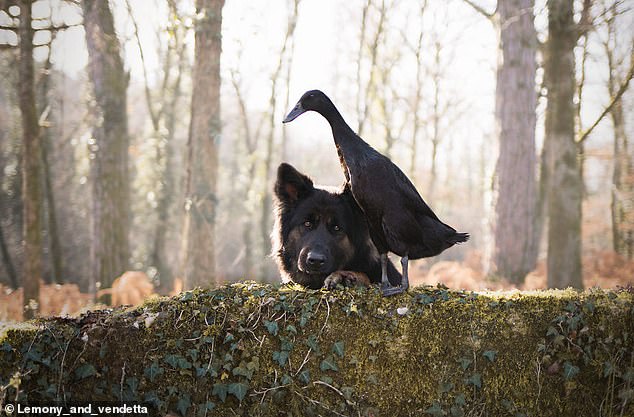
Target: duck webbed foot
[388, 289]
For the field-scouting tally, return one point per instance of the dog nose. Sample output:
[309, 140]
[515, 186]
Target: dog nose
[315, 259]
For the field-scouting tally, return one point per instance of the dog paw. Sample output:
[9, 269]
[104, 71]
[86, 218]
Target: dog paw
[346, 279]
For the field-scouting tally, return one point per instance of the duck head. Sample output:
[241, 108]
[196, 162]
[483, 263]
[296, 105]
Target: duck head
[311, 100]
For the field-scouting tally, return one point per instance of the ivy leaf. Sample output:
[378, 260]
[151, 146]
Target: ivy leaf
[152, 371]
[372, 379]
[456, 411]
[178, 361]
[328, 380]
[220, 390]
[475, 380]
[465, 363]
[229, 338]
[570, 371]
[204, 407]
[281, 357]
[435, 410]
[193, 353]
[347, 392]
[446, 387]
[291, 329]
[329, 364]
[490, 355]
[571, 307]
[312, 343]
[85, 371]
[271, 326]
[304, 376]
[152, 398]
[184, 402]
[338, 348]
[254, 365]
[242, 371]
[238, 389]
[133, 383]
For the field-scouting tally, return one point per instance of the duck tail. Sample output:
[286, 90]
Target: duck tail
[458, 238]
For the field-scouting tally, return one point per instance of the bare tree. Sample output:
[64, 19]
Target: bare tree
[564, 145]
[516, 101]
[31, 165]
[565, 185]
[250, 141]
[265, 219]
[515, 238]
[198, 243]
[418, 91]
[52, 227]
[622, 191]
[367, 90]
[162, 107]
[109, 149]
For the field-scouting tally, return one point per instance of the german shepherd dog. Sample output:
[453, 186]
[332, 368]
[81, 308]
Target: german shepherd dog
[320, 237]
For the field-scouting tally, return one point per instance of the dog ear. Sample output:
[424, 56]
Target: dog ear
[291, 185]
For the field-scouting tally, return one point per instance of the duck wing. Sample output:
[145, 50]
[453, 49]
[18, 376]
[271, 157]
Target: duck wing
[409, 196]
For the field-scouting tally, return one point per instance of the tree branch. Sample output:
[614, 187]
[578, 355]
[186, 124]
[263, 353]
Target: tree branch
[585, 23]
[622, 89]
[148, 96]
[58, 28]
[481, 10]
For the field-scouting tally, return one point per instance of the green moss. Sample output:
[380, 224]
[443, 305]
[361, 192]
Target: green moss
[267, 350]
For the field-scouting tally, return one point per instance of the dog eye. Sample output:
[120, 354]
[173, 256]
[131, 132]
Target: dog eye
[336, 228]
[308, 224]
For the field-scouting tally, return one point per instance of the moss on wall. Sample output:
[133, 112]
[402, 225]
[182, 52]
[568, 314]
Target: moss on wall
[251, 349]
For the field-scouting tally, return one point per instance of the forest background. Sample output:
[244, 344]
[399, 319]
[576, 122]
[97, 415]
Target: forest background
[144, 135]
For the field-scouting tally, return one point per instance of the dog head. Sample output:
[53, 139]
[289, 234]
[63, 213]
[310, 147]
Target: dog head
[314, 228]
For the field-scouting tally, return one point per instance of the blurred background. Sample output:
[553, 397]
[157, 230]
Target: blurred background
[144, 135]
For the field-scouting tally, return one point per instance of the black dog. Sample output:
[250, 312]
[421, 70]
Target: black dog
[320, 237]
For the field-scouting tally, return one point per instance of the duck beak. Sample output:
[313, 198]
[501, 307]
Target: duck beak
[297, 110]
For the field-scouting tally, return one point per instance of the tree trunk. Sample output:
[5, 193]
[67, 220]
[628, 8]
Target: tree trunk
[565, 185]
[31, 169]
[622, 192]
[158, 257]
[7, 262]
[109, 147]
[202, 146]
[54, 242]
[622, 187]
[515, 170]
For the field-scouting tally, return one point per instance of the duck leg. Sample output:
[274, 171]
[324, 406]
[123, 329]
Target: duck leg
[385, 283]
[388, 289]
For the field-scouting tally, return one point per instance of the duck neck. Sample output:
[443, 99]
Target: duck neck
[345, 138]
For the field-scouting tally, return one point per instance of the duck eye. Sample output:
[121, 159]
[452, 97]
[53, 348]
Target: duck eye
[308, 224]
